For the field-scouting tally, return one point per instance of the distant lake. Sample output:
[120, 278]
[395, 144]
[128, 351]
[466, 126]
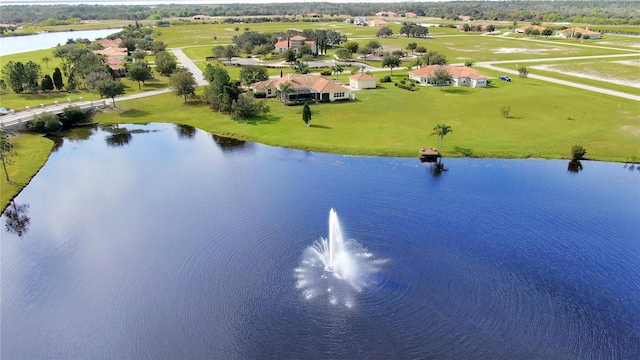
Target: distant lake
[19, 44]
[165, 242]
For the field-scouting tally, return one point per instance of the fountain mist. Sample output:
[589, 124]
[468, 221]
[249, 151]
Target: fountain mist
[335, 269]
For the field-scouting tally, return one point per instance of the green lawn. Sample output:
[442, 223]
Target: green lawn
[545, 121]
[31, 152]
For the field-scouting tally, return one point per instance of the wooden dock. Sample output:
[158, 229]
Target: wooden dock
[429, 155]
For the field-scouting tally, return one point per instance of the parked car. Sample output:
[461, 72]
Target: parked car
[505, 78]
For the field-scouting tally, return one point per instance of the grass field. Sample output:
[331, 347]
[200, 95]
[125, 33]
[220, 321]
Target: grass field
[545, 122]
[31, 152]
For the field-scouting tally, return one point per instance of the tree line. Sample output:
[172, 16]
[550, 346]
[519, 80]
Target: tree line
[613, 12]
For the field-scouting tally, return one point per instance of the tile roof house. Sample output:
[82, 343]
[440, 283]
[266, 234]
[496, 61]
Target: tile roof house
[362, 81]
[377, 22]
[114, 54]
[386, 13]
[294, 43]
[410, 14]
[302, 87]
[522, 29]
[568, 33]
[460, 75]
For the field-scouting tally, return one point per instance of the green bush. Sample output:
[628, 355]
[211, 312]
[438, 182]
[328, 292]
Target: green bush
[45, 122]
[386, 79]
[578, 152]
[325, 72]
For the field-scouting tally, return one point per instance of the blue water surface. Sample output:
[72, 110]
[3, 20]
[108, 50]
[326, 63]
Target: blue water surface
[172, 243]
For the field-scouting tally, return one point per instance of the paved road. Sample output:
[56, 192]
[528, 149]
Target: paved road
[190, 65]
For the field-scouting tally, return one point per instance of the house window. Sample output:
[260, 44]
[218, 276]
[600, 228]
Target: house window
[268, 91]
[338, 95]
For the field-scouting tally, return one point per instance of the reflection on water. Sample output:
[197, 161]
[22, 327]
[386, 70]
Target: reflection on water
[121, 136]
[185, 131]
[575, 166]
[227, 143]
[17, 219]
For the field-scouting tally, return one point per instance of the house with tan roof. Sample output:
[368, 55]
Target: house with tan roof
[377, 22]
[108, 43]
[302, 87]
[460, 76]
[569, 33]
[362, 81]
[386, 13]
[114, 54]
[294, 43]
[522, 29]
[410, 14]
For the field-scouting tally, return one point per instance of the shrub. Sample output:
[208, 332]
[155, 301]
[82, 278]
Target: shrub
[386, 79]
[45, 122]
[578, 152]
[72, 115]
[325, 72]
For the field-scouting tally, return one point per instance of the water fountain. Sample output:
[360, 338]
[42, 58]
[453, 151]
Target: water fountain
[334, 269]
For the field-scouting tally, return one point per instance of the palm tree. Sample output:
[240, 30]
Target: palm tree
[441, 130]
[284, 88]
[338, 69]
[46, 60]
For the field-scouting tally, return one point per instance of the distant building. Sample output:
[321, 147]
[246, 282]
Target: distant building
[302, 87]
[386, 13]
[569, 33]
[314, 15]
[410, 14]
[377, 22]
[362, 81]
[294, 43]
[465, 18]
[522, 29]
[201, 17]
[460, 76]
[360, 20]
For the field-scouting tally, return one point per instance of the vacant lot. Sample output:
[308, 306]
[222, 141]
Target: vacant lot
[621, 72]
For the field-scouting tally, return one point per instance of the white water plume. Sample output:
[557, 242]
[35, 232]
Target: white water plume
[336, 270]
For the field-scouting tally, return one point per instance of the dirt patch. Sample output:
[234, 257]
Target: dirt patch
[631, 129]
[542, 51]
[628, 62]
[595, 75]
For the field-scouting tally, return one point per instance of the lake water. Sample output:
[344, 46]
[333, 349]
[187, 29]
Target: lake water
[18, 44]
[171, 243]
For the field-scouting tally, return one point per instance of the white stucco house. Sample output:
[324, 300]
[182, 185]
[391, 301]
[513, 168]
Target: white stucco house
[460, 76]
[362, 81]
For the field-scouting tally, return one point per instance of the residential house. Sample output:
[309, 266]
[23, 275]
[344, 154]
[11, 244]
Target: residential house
[522, 29]
[460, 76]
[201, 17]
[362, 81]
[114, 54]
[302, 87]
[568, 33]
[465, 18]
[314, 15]
[377, 22]
[294, 43]
[386, 13]
[410, 14]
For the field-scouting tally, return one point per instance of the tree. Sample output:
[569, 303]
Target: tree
[421, 49]
[247, 107]
[3, 87]
[57, 79]
[46, 60]
[373, 44]
[6, 151]
[412, 46]
[306, 114]
[302, 68]
[229, 52]
[140, 72]
[523, 72]
[577, 35]
[13, 72]
[491, 28]
[440, 76]
[72, 115]
[469, 63]
[138, 55]
[352, 46]
[578, 152]
[110, 88]
[94, 78]
[263, 50]
[343, 54]
[72, 83]
[384, 32]
[289, 56]
[47, 83]
[441, 130]
[365, 51]
[183, 83]
[165, 63]
[547, 32]
[515, 24]
[221, 92]
[304, 50]
[337, 69]
[252, 73]
[391, 62]
[45, 122]
[434, 58]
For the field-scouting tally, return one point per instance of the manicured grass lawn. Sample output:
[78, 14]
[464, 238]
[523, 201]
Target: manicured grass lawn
[32, 151]
[545, 121]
